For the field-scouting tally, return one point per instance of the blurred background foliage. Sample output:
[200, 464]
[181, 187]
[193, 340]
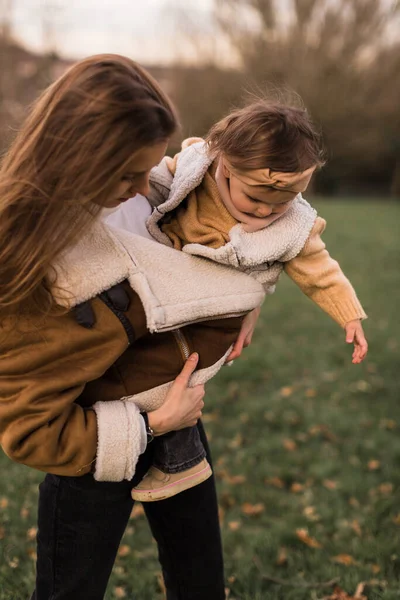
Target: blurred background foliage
[341, 56]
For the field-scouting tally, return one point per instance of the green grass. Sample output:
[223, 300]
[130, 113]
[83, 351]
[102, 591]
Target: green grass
[295, 413]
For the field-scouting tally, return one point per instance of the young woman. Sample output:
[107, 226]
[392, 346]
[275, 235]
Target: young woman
[92, 364]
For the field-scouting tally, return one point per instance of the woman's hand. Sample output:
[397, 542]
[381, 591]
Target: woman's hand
[245, 334]
[355, 334]
[183, 405]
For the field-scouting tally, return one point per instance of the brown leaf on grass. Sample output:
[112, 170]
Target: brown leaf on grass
[310, 513]
[137, 511]
[234, 525]
[124, 550]
[3, 502]
[252, 510]
[374, 465]
[275, 482]
[31, 552]
[296, 487]
[24, 513]
[330, 484]
[236, 442]
[236, 479]
[2, 532]
[311, 393]
[387, 424]
[31, 533]
[119, 592]
[396, 520]
[282, 557]
[375, 569]
[386, 489]
[286, 391]
[289, 445]
[354, 502]
[303, 536]
[344, 559]
[339, 594]
[355, 525]
[161, 584]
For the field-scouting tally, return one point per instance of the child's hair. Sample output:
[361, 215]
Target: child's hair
[267, 134]
[70, 155]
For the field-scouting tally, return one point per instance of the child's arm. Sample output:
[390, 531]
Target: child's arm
[320, 277]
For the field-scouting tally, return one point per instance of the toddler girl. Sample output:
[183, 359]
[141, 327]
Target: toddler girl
[236, 198]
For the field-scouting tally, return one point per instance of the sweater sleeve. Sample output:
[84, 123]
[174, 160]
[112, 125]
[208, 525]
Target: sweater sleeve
[320, 277]
[43, 371]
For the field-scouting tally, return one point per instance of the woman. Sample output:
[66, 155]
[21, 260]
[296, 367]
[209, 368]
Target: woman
[89, 315]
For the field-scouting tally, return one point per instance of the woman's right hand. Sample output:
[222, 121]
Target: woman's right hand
[183, 405]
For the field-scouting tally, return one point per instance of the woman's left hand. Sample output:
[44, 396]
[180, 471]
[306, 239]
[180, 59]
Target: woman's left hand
[245, 334]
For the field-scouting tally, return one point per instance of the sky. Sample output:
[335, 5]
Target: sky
[147, 30]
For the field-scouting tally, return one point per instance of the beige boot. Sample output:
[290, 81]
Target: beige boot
[157, 485]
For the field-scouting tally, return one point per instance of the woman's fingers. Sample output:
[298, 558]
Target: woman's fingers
[182, 379]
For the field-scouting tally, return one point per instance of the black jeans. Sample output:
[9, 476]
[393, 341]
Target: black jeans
[81, 523]
[179, 450]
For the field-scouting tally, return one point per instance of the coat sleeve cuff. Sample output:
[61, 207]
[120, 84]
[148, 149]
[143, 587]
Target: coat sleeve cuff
[119, 440]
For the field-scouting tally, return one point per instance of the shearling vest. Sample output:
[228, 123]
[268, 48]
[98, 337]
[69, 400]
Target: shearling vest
[260, 254]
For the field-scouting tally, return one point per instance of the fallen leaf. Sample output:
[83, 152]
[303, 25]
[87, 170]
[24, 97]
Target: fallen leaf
[386, 489]
[310, 513]
[119, 592]
[124, 550]
[374, 465]
[3, 502]
[282, 558]
[232, 579]
[296, 488]
[137, 511]
[161, 584]
[236, 442]
[252, 509]
[31, 552]
[375, 569]
[388, 424]
[236, 479]
[275, 482]
[396, 520]
[286, 391]
[303, 536]
[355, 525]
[24, 514]
[344, 559]
[354, 502]
[339, 594]
[234, 525]
[289, 445]
[311, 393]
[330, 484]
[31, 533]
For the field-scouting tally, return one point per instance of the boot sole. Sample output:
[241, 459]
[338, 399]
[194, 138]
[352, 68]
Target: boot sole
[172, 489]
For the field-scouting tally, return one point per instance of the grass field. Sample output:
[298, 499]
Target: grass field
[306, 446]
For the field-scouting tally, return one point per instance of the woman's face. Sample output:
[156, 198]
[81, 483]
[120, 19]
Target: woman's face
[136, 178]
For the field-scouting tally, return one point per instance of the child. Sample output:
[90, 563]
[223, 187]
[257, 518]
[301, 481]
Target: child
[236, 199]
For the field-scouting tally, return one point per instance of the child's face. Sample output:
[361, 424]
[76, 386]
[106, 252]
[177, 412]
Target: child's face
[259, 200]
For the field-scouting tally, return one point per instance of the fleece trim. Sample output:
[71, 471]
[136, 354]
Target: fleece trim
[175, 289]
[119, 442]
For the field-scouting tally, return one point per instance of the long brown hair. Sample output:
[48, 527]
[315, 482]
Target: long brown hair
[268, 134]
[70, 154]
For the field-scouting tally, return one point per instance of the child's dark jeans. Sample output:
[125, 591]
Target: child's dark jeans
[178, 451]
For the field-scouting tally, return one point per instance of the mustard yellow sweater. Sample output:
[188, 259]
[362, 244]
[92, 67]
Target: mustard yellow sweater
[203, 219]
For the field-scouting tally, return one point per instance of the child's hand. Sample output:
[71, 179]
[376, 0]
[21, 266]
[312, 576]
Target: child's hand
[245, 335]
[355, 334]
